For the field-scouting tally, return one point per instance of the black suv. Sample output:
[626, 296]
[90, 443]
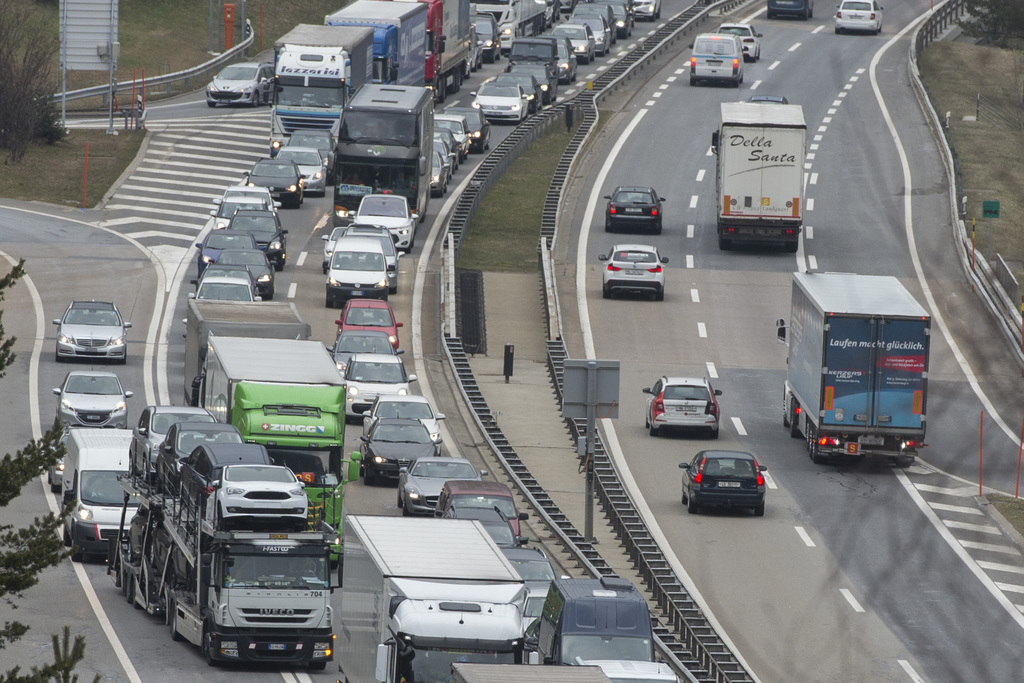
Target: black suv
[204, 466]
[534, 49]
[265, 226]
[183, 438]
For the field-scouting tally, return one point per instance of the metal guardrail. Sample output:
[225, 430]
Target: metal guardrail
[187, 79]
[700, 655]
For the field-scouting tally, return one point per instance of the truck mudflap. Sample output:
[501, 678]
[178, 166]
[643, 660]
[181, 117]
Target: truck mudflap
[233, 645]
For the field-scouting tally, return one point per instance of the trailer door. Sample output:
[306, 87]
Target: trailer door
[847, 379]
[901, 374]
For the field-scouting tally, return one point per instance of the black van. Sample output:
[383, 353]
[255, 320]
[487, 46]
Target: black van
[589, 619]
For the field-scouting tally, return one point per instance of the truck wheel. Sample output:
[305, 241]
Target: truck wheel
[171, 615]
[812, 446]
[207, 647]
[793, 422]
[724, 244]
[791, 247]
[318, 665]
[905, 461]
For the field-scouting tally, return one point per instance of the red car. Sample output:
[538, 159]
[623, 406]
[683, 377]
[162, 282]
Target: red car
[369, 314]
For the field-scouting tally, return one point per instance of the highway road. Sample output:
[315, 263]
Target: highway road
[848, 577]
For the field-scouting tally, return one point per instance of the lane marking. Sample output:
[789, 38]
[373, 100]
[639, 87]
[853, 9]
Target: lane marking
[695, 296]
[813, 147]
[753, 86]
[702, 330]
[961, 492]
[822, 129]
[809, 232]
[650, 103]
[299, 262]
[671, 79]
[810, 204]
[700, 175]
[693, 202]
[774, 64]
[656, 94]
[663, 86]
[1009, 587]
[710, 152]
[818, 29]
[836, 103]
[817, 138]
[997, 567]
[841, 95]
[978, 528]
[738, 424]
[814, 179]
[812, 262]
[794, 47]
[805, 537]
[769, 481]
[909, 670]
[689, 260]
[712, 370]
[848, 86]
[990, 547]
[292, 289]
[689, 231]
[956, 508]
[852, 600]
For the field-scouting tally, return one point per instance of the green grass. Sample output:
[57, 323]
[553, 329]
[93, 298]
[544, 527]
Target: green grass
[1010, 508]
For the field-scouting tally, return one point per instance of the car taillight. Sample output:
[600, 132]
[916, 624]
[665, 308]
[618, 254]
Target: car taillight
[839, 15]
[207, 490]
[872, 16]
[760, 477]
[658, 405]
[712, 408]
[654, 211]
[611, 208]
[613, 268]
[693, 64]
[735, 66]
[697, 477]
[656, 269]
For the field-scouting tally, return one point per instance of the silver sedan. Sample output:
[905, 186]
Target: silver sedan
[420, 484]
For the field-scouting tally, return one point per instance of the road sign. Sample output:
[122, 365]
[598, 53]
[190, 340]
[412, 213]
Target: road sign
[990, 208]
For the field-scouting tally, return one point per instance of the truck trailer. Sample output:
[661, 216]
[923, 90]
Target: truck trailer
[316, 70]
[409, 21]
[420, 594]
[857, 372]
[449, 28]
[509, 673]
[233, 319]
[760, 150]
[240, 596]
[287, 395]
[516, 18]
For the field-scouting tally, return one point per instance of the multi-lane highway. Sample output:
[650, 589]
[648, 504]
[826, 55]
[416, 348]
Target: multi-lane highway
[855, 572]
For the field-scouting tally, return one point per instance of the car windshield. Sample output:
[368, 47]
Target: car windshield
[395, 207]
[401, 433]
[484, 28]
[309, 466]
[162, 422]
[219, 240]
[385, 373]
[350, 342]
[238, 73]
[302, 572]
[534, 570]
[258, 473]
[92, 316]
[301, 158]
[266, 223]
[573, 32]
[188, 440]
[91, 384]
[453, 126]
[217, 270]
[503, 503]
[295, 95]
[528, 82]
[224, 291]
[319, 141]
[270, 169]
[534, 606]
[539, 50]
[635, 256]
[631, 196]
[100, 487]
[729, 467]
[369, 317]
[538, 71]
[498, 90]
[365, 261]
[500, 531]
[588, 647]
[864, 6]
[411, 409]
[242, 257]
[228, 208]
[686, 393]
[474, 117]
[430, 468]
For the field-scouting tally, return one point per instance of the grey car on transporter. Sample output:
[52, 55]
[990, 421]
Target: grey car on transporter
[94, 330]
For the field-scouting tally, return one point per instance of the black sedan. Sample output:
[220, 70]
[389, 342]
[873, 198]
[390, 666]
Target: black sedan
[216, 242]
[725, 479]
[266, 228]
[259, 267]
[282, 178]
[633, 207]
[393, 443]
[479, 127]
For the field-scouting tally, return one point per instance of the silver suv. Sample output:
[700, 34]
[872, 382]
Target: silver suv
[683, 403]
[634, 268]
[92, 329]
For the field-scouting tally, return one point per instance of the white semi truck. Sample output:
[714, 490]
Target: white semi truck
[760, 151]
[420, 594]
[516, 18]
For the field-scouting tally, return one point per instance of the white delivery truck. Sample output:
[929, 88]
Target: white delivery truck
[516, 18]
[92, 463]
[760, 150]
[419, 594]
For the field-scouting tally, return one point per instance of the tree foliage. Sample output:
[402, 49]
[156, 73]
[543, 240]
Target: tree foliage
[26, 551]
[27, 50]
[1000, 22]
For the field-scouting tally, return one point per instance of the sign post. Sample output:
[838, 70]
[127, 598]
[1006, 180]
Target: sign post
[990, 210]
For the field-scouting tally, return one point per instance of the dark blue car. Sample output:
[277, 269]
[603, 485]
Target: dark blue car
[219, 240]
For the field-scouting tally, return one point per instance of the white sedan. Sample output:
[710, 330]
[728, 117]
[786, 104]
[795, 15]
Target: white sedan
[749, 38]
[392, 212]
[259, 498]
[502, 102]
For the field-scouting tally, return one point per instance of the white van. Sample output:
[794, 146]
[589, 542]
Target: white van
[717, 57]
[94, 459]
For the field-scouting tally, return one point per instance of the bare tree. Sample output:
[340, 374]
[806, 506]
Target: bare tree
[1000, 22]
[27, 50]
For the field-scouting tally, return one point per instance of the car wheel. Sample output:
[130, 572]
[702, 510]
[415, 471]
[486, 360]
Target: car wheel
[210, 104]
[714, 432]
[693, 81]
[759, 510]
[606, 292]
[659, 295]
[328, 302]
[57, 357]
[652, 429]
[691, 505]
[838, 30]
[124, 359]
[770, 15]
[368, 478]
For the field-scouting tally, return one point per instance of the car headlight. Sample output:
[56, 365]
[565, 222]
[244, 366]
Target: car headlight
[207, 259]
[506, 31]
[515, 107]
[118, 342]
[293, 188]
[476, 133]
[476, 105]
[544, 87]
[563, 65]
[275, 145]
[252, 184]
[620, 23]
[295, 492]
[318, 175]
[435, 437]
[84, 514]
[381, 283]
[413, 493]
[393, 339]
[64, 403]
[436, 178]
[353, 390]
[263, 278]
[234, 491]
[65, 339]
[379, 459]
[332, 282]
[403, 231]
[580, 48]
[121, 405]
[220, 225]
[60, 466]
[403, 391]
[276, 244]
[488, 43]
[341, 367]
[341, 211]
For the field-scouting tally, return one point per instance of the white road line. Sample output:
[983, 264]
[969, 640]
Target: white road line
[854, 78]
[818, 29]
[832, 111]
[602, 68]
[861, 70]
[822, 129]
[695, 296]
[848, 86]
[160, 211]
[301, 260]
[826, 119]
[807, 166]
[753, 86]
[144, 234]
[997, 567]
[805, 537]
[710, 152]
[689, 260]
[852, 600]
[693, 202]
[292, 288]
[656, 94]
[817, 138]
[814, 179]
[679, 71]
[702, 330]
[738, 424]
[955, 508]
[836, 103]
[978, 528]
[774, 64]
[990, 547]
[663, 86]
[126, 220]
[712, 370]
[961, 492]
[810, 204]
[812, 262]
[909, 670]
[203, 207]
[810, 156]
[808, 232]
[689, 231]
[172, 191]
[841, 95]
[671, 79]
[813, 147]
[794, 47]
[1009, 587]
[650, 103]
[700, 175]
[769, 481]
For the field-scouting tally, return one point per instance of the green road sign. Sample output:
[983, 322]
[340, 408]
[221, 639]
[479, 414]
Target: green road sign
[990, 208]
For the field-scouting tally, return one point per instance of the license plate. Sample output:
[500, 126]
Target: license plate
[714, 62]
[356, 292]
[277, 646]
[634, 210]
[728, 484]
[871, 440]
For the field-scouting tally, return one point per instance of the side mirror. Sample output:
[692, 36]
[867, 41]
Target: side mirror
[780, 324]
[129, 394]
[325, 238]
[213, 213]
[684, 465]
[664, 259]
[257, 298]
[714, 142]
[56, 321]
[398, 324]
[412, 378]
[439, 416]
[607, 196]
[56, 391]
[647, 390]
[602, 257]
[191, 295]
[762, 468]
[523, 516]
[284, 232]
[127, 325]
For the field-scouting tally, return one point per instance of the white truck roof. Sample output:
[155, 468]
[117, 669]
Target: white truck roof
[287, 361]
[763, 114]
[463, 672]
[374, 9]
[859, 294]
[430, 548]
[109, 445]
[315, 35]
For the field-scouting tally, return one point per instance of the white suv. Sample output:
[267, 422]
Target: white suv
[859, 15]
[258, 498]
[636, 268]
[683, 403]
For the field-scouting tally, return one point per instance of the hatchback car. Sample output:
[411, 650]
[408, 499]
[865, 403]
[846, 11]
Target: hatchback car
[567, 62]
[151, 430]
[633, 207]
[459, 493]
[447, 152]
[255, 261]
[623, 23]
[351, 342]
[547, 78]
[723, 478]
[92, 398]
[265, 226]
[410, 406]
[479, 127]
[92, 329]
[387, 243]
[183, 438]
[529, 83]
[219, 240]
[649, 10]
[440, 174]
[603, 34]
[242, 83]
[283, 178]
[683, 403]
[312, 165]
[358, 269]
[502, 102]
[370, 375]
[225, 288]
[363, 314]
[859, 15]
[581, 37]
[748, 36]
[419, 484]
[489, 37]
[459, 128]
[391, 444]
[391, 211]
[634, 268]
[717, 57]
[321, 140]
[258, 498]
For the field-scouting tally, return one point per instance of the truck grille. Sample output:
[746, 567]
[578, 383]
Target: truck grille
[290, 124]
[295, 616]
